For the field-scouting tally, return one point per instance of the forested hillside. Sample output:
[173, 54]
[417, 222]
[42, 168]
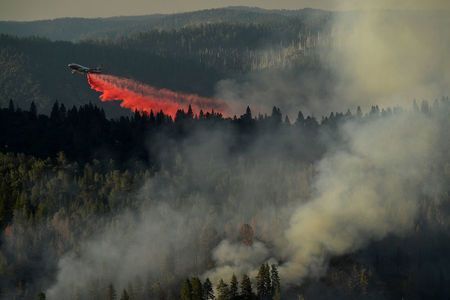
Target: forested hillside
[76, 29]
[128, 176]
[263, 155]
[36, 70]
[193, 57]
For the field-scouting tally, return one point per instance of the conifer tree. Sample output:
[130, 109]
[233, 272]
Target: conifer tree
[186, 290]
[11, 107]
[223, 291]
[125, 295]
[276, 284]
[234, 293]
[260, 284]
[208, 290]
[300, 119]
[111, 292]
[197, 289]
[33, 110]
[246, 288]
[267, 282]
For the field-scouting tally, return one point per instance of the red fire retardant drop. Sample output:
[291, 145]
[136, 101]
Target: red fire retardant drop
[142, 97]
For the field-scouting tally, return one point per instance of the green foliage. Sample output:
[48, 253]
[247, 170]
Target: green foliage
[75, 29]
[208, 290]
[35, 69]
[41, 296]
[197, 289]
[223, 291]
[276, 283]
[234, 292]
[125, 295]
[111, 292]
[186, 290]
[246, 288]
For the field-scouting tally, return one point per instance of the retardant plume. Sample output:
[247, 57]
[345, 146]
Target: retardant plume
[141, 97]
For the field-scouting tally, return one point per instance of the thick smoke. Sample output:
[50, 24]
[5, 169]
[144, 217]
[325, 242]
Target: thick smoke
[371, 185]
[367, 186]
[189, 218]
[388, 57]
[364, 192]
[141, 97]
[381, 52]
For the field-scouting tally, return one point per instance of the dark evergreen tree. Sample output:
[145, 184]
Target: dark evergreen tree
[263, 283]
[276, 116]
[276, 284]
[267, 282]
[248, 115]
[11, 107]
[208, 290]
[359, 112]
[190, 113]
[125, 295]
[223, 292]
[300, 119]
[111, 292]
[186, 290]
[260, 283]
[197, 289]
[234, 288]
[246, 288]
[33, 110]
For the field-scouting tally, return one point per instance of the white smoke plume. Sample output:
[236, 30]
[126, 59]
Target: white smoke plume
[371, 185]
[364, 192]
[366, 187]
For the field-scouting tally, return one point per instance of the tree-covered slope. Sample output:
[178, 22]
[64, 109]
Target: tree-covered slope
[36, 69]
[75, 29]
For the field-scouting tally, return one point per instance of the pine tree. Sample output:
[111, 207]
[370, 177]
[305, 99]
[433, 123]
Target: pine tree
[33, 110]
[287, 121]
[197, 289]
[223, 291]
[125, 295]
[131, 292]
[248, 114]
[208, 290]
[246, 288]
[54, 114]
[111, 293]
[276, 284]
[276, 115]
[263, 283]
[186, 290]
[11, 107]
[190, 113]
[359, 112]
[267, 282]
[300, 119]
[260, 284]
[234, 293]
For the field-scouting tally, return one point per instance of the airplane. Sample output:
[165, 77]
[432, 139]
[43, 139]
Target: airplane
[76, 68]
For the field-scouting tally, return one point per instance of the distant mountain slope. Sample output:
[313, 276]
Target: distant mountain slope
[190, 52]
[75, 29]
[35, 69]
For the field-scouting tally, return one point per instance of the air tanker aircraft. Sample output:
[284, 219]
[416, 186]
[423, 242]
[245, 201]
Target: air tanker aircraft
[76, 68]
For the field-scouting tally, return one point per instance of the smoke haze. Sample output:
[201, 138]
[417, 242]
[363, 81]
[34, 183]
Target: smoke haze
[369, 183]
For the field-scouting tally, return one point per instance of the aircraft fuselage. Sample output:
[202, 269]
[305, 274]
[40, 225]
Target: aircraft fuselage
[76, 68]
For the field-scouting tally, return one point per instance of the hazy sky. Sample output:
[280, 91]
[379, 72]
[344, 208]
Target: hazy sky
[49, 9]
